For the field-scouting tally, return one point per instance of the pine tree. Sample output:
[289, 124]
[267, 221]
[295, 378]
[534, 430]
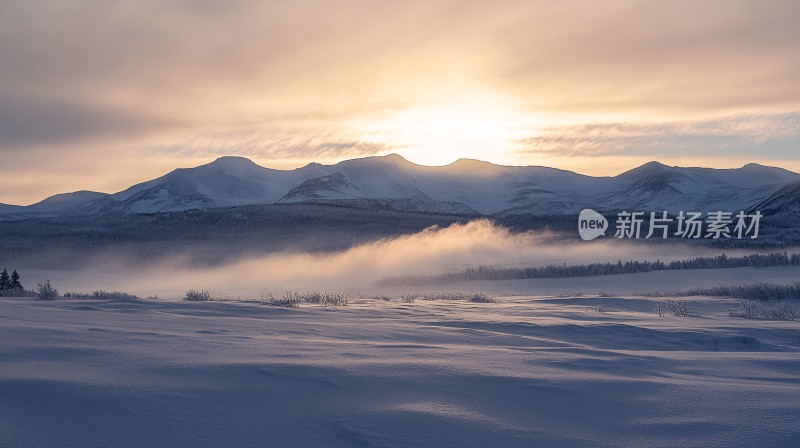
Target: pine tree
[15, 284]
[5, 282]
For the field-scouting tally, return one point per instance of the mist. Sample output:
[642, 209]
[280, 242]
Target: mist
[431, 251]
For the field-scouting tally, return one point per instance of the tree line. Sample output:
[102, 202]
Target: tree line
[588, 270]
[10, 284]
[206, 237]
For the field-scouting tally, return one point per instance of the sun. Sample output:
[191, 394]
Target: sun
[441, 134]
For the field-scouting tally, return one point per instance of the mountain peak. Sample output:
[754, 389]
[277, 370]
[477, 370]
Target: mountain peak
[233, 161]
[393, 158]
[396, 157]
[768, 174]
[654, 165]
[473, 166]
[759, 167]
[66, 200]
[240, 166]
[386, 160]
[469, 162]
[648, 168]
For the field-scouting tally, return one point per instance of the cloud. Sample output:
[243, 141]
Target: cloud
[774, 135]
[168, 82]
[26, 121]
[669, 59]
[275, 144]
[212, 59]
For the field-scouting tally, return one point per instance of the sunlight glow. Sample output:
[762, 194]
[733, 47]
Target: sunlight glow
[442, 134]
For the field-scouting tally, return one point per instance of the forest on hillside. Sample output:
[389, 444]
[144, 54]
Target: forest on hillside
[219, 235]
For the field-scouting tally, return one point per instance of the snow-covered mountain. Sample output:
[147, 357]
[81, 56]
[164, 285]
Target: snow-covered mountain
[784, 201]
[465, 186]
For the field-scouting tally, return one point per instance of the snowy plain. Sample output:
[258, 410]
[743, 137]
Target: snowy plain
[550, 364]
[525, 371]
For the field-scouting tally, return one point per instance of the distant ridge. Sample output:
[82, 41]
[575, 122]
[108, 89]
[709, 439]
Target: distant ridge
[465, 186]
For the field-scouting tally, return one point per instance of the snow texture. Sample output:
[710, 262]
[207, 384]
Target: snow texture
[526, 371]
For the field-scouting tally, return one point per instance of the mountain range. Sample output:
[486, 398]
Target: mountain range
[463, 187]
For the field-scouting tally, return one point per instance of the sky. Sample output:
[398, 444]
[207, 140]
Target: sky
[100, 95]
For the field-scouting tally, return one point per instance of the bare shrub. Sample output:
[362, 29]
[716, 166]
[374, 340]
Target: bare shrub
[480, 297]
[408, 298]
[600, 309]
[654, 293]
[474, 296]
[672, 306]
[750, 309]
[45, 291]
[334, 299]
[607, 294]
[77, 295]
[294, 298]
[310, 297]
[290, 299]
[197, 296]
[114, 295]
[770, 313]
[379, 296]
[431, 296]
[747, 309]
[781, 311]
[101, 295]
[571, 294]
[660, 308]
